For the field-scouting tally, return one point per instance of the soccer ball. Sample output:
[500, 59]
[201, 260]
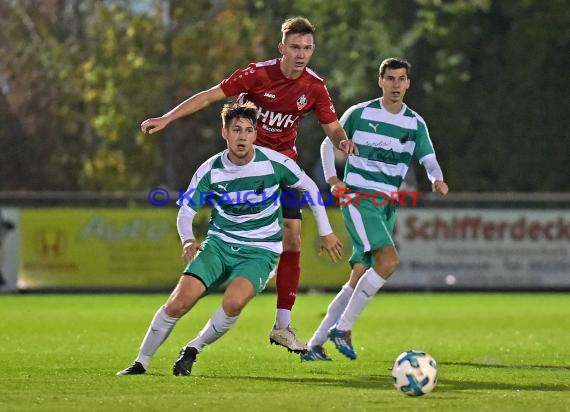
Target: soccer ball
[414, 373]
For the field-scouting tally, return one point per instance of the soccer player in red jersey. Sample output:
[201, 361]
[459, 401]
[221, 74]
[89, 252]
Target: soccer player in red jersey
[284, 90]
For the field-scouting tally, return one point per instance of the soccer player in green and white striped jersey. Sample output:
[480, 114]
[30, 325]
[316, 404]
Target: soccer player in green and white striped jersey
[243, 241]
[387, 133]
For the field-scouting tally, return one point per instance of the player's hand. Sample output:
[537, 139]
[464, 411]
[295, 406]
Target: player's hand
[348, 147]
[190, 249]
[336, 185]
[332, 245]
[339, 187]
[440, 187]
[154, 124]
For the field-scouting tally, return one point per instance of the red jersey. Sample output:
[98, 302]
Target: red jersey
[281, 102]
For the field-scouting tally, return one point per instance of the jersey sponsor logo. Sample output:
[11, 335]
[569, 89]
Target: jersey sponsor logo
[269, 95]
[381, 143]
[271, 129]
[275, 122]
[301, 102]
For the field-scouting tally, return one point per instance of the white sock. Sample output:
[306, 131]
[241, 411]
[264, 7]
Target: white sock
[334, 311]
[365, 289]
[158, 331]
[283, 318]
[216, 327]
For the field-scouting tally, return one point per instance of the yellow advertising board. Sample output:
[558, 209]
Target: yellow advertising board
[132, 248]
[98, 248]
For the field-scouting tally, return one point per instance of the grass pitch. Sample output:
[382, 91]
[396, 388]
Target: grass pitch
[496, 352]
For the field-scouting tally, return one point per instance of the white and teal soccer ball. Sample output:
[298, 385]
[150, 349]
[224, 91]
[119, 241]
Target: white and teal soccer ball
[414, 373]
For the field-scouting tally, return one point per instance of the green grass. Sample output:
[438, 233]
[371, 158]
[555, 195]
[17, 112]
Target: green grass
[496, 352]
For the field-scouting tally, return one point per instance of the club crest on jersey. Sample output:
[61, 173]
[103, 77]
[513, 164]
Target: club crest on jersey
[301, 102]
[260, 188]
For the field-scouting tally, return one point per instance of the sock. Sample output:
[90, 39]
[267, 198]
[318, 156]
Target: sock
[216, 327]
[334, 311]
[283, 318]
[365, 289]
[158, 331]
[288, 274]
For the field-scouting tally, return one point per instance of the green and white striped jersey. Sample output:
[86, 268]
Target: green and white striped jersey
[386, 143]
[244, 199]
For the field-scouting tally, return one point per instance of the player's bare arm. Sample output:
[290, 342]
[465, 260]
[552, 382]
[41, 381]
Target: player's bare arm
[439, 186]
[332, 245]
[190, 249]
[191, 105]
[337, 135]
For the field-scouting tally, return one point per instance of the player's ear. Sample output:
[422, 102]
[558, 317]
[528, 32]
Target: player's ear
[225, 133]
[281, 48]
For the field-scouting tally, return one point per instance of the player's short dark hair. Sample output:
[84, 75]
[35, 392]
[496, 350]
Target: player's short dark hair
[395, 63]
[297, 25]
[246, 110]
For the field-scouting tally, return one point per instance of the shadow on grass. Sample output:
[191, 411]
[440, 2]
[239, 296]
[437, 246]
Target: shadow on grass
[455, 385]
[499, 366]
[379, 382]
[383, 381]
[362, 382]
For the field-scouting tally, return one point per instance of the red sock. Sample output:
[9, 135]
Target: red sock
[287, 282]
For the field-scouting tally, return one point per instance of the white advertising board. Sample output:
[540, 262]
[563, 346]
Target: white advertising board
[9, 243]
[483, 248]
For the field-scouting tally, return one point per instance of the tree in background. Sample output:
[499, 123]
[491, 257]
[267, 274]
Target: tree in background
[42, 120]
[496, 93]
[78, 76]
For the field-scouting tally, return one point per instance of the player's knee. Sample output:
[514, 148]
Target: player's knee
[387, 266]
[357, 271]
[234, 305]
[177, 307]
[292, 244]
[292, 235]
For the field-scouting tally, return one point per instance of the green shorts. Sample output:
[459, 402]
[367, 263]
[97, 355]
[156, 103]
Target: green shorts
[370, 228]
[220, 262]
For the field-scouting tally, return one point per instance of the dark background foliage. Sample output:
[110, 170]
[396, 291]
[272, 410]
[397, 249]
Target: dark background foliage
[78, 76]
